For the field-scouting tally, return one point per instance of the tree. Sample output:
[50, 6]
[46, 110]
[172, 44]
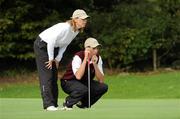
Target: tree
[129, 30]
[22, 20]
[164, 29]
[123, 34]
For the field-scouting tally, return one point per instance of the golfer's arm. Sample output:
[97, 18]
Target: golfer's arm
[80, 72]
[98, 73]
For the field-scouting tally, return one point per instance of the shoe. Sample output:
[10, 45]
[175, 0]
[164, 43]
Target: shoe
[51, 108]
[80, 105]
[66, 107]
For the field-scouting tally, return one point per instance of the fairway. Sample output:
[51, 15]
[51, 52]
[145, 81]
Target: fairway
[14, 108]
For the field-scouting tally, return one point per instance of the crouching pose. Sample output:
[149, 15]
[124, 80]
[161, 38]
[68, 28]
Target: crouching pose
[75, 80]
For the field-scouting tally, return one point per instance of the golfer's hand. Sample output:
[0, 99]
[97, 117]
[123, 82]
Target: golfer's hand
[101, 81]
[49, 64]
[94, 59]
[86, 54]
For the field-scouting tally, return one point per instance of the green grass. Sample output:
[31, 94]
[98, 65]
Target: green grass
[15, 108]
[130, 96]
[161, 85]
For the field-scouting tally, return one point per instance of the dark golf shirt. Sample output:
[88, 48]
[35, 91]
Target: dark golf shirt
[69, 75]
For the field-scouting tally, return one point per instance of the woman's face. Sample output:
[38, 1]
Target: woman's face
[94, 51]
[80, 23]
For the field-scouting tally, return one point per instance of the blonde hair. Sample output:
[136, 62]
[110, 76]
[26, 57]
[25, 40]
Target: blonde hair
[73, 25]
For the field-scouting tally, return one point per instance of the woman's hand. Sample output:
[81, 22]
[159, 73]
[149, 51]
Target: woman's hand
[49, 64]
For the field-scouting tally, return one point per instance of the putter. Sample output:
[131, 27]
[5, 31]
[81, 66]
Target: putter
[89, 88]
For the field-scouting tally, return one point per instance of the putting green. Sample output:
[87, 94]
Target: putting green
[13, 108]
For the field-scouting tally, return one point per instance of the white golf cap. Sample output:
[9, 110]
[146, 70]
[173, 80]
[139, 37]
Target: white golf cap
[79, 13]
[91, 42]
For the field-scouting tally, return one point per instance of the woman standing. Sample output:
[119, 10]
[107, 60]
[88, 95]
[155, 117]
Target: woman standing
[49, 48]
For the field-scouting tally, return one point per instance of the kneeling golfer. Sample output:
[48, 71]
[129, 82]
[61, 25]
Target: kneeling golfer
[78, 81]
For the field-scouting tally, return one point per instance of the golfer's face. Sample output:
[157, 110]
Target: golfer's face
[81, 22]
[95, 50]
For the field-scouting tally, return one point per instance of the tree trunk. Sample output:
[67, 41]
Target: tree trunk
[110, 64]
[154, 59]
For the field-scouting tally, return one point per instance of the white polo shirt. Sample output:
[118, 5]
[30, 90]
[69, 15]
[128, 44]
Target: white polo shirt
[76, 63]
[60, 35]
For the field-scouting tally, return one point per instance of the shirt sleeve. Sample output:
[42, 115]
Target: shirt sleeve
[100, 63]
[51, 35]
[76, 63]
[50, 49]
[60, 53]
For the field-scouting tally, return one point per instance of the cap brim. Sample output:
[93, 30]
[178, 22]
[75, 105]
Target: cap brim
[84, 17]
[96, 45]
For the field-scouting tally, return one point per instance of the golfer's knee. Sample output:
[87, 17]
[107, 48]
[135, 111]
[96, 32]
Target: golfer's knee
[81, 92]
[104, 88]
[84, 91]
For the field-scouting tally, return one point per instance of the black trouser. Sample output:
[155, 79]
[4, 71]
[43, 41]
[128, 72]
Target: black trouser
[78, 91]
[47, 77]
